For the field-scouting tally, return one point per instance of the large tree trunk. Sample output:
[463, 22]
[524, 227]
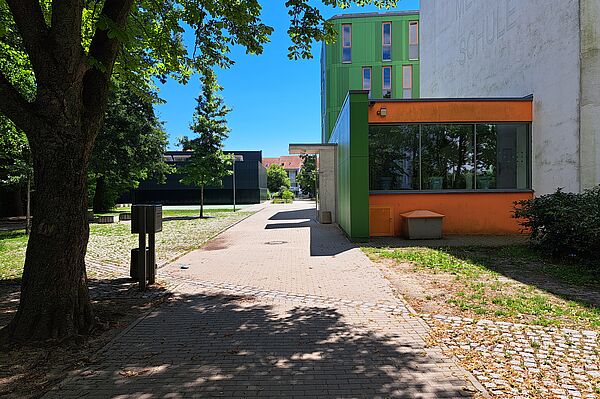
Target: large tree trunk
[54, 297]
[99, 195]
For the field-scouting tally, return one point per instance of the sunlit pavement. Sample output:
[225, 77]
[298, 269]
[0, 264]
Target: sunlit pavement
[276, 306]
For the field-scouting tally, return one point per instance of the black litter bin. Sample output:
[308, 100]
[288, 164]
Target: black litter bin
[133, 265]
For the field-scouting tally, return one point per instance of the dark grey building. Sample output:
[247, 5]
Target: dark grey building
[250, 181]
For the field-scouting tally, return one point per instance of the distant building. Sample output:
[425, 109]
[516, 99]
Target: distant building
[250, 179]
[292, 165]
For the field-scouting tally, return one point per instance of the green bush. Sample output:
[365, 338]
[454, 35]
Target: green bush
[563, 224]
[287, 195]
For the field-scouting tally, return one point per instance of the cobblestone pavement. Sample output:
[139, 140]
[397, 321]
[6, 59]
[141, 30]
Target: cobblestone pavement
[277, 306]
[523, 361]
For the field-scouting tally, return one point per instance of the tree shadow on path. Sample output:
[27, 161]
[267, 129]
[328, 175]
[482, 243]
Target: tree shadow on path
[233, 346]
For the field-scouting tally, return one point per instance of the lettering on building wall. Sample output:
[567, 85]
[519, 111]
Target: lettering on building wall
[479, 35]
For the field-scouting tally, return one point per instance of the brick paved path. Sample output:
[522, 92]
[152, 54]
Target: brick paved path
[277, 306]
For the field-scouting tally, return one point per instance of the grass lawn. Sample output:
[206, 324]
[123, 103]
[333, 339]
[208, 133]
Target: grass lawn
[111, 243]
[509, 284]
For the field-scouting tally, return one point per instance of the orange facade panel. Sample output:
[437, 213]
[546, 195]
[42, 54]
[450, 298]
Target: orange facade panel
[451, 111]
[465, 213]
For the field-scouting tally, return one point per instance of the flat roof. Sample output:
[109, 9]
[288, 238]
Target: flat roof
[312, 148]
[452, 99]
[374, 14]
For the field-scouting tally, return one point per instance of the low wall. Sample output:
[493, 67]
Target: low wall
[466, 213]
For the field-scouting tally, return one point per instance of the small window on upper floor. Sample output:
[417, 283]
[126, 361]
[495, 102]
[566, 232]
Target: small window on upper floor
[347, 43]
[407, 81]
[366, 79]
[413, 40]
[386, 80]
[386, 41]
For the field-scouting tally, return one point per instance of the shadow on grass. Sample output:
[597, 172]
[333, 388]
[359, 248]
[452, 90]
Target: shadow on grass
[229, 346]
[572, 280]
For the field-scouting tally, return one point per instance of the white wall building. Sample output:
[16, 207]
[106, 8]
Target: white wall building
[548, 48]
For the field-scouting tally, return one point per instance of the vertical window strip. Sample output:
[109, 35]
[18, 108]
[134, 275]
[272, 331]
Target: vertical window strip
[386, 41]
[366, 78]
[407, 81]
[346, 43]
[386, 80]
[413, 40]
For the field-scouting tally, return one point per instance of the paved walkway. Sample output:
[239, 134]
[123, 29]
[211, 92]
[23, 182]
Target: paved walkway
[277, 306]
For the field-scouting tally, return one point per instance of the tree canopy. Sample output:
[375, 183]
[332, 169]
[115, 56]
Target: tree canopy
[207, 164]
[129, 149]
[307, 178]
[277, 178]
[70, 50]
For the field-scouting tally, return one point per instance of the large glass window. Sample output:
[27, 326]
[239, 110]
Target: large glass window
[386, 82]
[386, 41]
[407, 81]
[394, 157]
[449, 157]
[502, 156]
[413, 40]
[346, 43]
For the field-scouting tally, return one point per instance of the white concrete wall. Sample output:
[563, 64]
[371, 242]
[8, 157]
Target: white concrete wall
[483, 48]
[590, 93]
[327, 182]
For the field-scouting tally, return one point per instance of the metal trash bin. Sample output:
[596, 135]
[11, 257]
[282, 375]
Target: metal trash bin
[133, 264]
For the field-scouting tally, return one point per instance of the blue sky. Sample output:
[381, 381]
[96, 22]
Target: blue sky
[275, 101]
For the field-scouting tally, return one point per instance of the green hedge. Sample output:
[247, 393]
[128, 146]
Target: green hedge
[563, 224]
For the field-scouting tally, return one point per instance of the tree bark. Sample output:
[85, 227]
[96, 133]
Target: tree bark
[99, 195]
[55, 303]
[201, 201]
[28, 213]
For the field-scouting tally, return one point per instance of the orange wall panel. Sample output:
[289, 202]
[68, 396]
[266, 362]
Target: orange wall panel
[452, 111]
[466, 213]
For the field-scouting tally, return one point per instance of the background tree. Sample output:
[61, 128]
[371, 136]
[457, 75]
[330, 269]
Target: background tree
[277, 177]
[307, 178]
[72, 48]
[207, 164]
[130, 147]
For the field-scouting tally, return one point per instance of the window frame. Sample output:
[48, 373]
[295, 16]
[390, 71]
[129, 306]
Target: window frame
[421, 190]
[410, 68]
[416, 42]
[349, 26]
[383, 88]
[383, 44]
[370, 69]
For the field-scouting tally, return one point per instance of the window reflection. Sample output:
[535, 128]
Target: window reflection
[394, 157]
[502, 160]
[449, 156]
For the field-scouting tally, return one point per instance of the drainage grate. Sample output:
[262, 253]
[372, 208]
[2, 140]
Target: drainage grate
[275, 242]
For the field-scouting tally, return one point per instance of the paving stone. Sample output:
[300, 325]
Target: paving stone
[310, 317]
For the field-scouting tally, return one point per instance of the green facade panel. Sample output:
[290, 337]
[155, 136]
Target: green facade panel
[351, 136]
[339, 78]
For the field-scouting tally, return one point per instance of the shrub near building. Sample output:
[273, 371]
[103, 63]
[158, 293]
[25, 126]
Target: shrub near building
[563, 224]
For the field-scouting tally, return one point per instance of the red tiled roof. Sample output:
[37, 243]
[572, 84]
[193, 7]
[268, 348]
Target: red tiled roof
[287, 161]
